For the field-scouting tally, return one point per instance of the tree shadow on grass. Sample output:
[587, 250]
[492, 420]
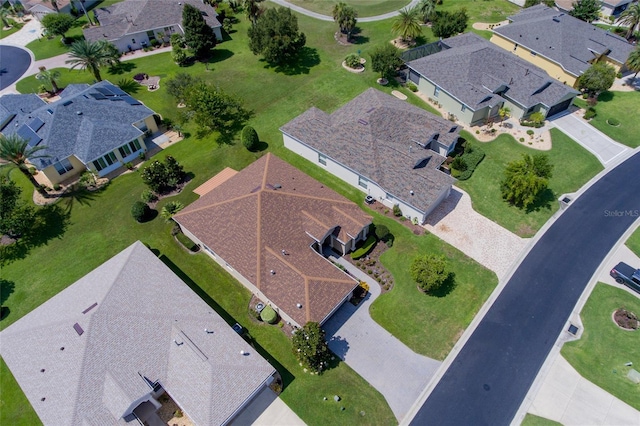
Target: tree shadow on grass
[447, 287]
[606, 96]
[543, 201]
[122, 68]
[287, 377]
[260, 146]
[306, 59]
[129, 85]
[6, 288]
[219, 55]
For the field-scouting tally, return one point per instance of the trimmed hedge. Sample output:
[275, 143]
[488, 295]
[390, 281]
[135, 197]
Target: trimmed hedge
[186, 242]
[365, 249]
[471, 158]
[268, 315]
[250, 138]
[140, 211]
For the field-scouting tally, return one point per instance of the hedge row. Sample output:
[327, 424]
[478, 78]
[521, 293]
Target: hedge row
[186, 241]
[472, 159]
[365, 249]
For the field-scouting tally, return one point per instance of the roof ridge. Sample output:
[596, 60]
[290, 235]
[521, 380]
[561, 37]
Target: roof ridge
[313, 218]
[184, 212]
[259, 221]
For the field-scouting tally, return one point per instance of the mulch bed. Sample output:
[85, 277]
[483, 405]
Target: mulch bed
[625, 319]
[178, 189]
[286, 328]
[371, 262]
[388, 212]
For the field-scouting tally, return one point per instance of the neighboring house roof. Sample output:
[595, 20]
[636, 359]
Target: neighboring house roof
[85, 123]
[134, 16]
[268, 207]
[117, 326]
[563, 39]
[380, 137]
[474, 70]
[567, 5]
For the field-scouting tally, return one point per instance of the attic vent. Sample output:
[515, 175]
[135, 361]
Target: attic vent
[453, 129]
[487, 99]
[363, 122]
[421, 163]
[370, 110]
[555, 19]
[67, 103]
[90, 308]
[78, 112]
[422, 144]
[78, 329]
[544, 86]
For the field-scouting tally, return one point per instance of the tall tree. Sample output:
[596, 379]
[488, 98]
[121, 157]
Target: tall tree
[276, 37]
[310, 347]
[447, 24]
[525, 179]
[180, 84]
[16, 216]
[407, 24]
[631, 18]
[49, 77]
[597, 78]
[385, 59]
[426, 8]
[633, 62]
[346, 17]
[214, 110]
[198, 34]
[91, 56]
[57, 24]
[549, 3]
[586, 10]
[16, 150]
[430, 272]
[253, 10]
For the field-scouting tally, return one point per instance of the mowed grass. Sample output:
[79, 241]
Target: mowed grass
[634, 242]
[429, 325]
[603, 350]
[573, 166]
[14, 406]
[617, 105]
[15, 27]
[532, 420]
[363, 7]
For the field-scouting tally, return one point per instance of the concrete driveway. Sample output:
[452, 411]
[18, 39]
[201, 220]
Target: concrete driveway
[397, 372]
[596, 142]
[621, 254]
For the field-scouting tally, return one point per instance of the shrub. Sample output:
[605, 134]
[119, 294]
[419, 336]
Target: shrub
[175, 230]
[177, 41]
[186, 242]
[412, 87]
[537, 117]
[613, 122]
[530, 132]
[382, 232]
[179, 56]
[87, 179]
[429, 271]
[140, 211]
[170, 209]
[590, 113]
[521, 139]
[56, 187]
[268, 315]
[163, 177]
[352, 61]
[366, 248]
[472, 156]
[249, 138]
[129, 165]
[396, 210]
[459, 164]
[148, 196]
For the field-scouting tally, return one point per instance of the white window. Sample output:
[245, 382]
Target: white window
[63, 166]
[436, 91]
[322, 159]
[362, 182]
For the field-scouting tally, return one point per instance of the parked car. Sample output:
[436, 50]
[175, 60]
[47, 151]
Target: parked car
[627, 275]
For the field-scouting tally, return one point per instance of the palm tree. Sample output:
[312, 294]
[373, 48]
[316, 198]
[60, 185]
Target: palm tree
[633, 62]
[4, 16]
[92, 55]
[346, 17]
[505, 112]
[50, 77]
[16, 150]
[426, 8]
[407, 24]
[630, 17]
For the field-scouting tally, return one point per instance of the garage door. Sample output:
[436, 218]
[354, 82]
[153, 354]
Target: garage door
[559, 108]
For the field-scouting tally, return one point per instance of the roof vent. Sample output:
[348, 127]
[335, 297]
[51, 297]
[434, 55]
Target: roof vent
[411, 192]
[299, 305]
[67, 103]
[206, 330]
[78, 112]
[277, 186]
[363, 122]
[272, 272]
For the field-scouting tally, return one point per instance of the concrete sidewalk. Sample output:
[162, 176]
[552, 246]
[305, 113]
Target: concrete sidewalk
[596, 142]
[31, 31]
[267, 409]
[327, 18]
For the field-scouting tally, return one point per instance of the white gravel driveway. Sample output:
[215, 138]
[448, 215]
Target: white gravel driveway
[483, 240]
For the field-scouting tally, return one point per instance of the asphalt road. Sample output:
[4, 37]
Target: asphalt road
[14, 61]
[490, 377]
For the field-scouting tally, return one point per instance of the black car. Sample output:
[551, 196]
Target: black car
[625, 274]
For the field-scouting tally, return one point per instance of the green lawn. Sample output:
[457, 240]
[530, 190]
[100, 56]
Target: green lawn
[363, 7]
[634, 242]
[14, 406]
[573, 167]
[604, 349]
[488, 11]
[13, 29]
[531, 420]
[617, 105]
[44, 47]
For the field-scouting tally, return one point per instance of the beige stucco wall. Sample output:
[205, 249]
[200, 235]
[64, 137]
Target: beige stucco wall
[54, 177]
[448, 102]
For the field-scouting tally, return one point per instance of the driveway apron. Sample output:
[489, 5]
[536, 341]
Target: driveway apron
[397, 372]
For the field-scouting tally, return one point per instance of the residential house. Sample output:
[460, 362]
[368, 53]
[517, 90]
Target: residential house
[268, 226]
[106, 349]
[608, 8]
[98, 127]
[40, 8]
[473, 79]
[560, 44]
[133, 24]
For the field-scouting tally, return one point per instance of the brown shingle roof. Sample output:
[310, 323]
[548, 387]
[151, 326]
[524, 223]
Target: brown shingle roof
[268, 207]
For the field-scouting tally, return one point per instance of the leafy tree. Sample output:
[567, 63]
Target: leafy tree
[385, 59]
[57, 24]
[447, 24]
[179, 56]
[346, 17]
[174, 170]
[633, 62]
[430, 272]
[92, 55]
[162, 177]
[250, 138]
[525, 179]
[15, 149]
[50, 77]
[198, 34]
[352, 61]
[426, 8]
[177, 39]
[253, 10]
[16, 217]
[549, 3]
[170, 209]
[407, 24]
[310, 347]
[275, 36]
[505, 112]
[631, 18]
[586, 10]
[213, 109]
[180, 84]
[598, 78]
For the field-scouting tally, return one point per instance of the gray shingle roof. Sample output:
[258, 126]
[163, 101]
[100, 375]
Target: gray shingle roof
[142, 307]
[372, 134]
[12, 105]
[473, 68]
[102, 125]
[134, 16]
[566, 40]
